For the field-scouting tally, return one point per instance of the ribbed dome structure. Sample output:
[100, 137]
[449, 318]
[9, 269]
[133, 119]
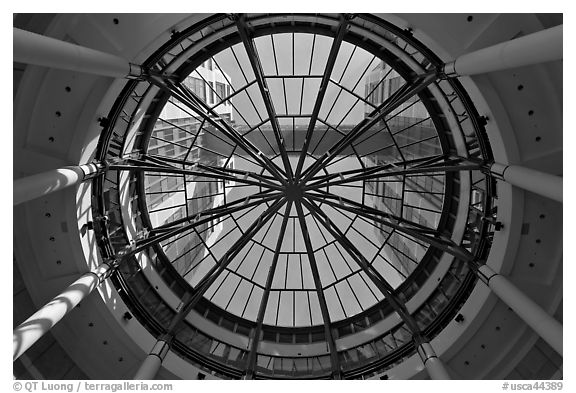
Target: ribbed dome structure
[290, 196]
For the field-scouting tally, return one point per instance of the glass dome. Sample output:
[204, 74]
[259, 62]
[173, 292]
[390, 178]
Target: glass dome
[287, 188]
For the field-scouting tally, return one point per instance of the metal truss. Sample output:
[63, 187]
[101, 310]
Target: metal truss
[327, 204]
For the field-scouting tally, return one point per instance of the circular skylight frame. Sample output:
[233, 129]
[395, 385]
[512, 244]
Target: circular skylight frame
[179, 37]
[221, 138]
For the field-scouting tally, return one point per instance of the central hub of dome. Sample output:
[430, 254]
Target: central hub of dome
[293, 191]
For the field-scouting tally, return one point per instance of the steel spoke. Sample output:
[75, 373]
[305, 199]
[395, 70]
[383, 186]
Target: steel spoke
[167, 231]
[326, 179]
[365, 265]
[190, 172]
[264, 302]
[230, 207]
[189, 98]
[269, 180]
[336, 43]
[226, 259]
[244, 143]
[402, 225]
[334, 360]
[402, 95]
[383, 171]
[237, 138]
[361, 209]
[264, 90]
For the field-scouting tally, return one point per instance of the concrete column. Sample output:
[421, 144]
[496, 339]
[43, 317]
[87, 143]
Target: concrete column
[151, 365]
[531, 180]
[32, 48]
[153, 361]
[535, 48]
[433, 364]
[548, 328]
[29, 331]
[35, 186]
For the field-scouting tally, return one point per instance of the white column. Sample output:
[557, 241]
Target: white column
[35, 186]
[531, 180]
[433, 364]
[29, 331]
[535, 48]
[32, 48]
[151, 365]
[548, 328]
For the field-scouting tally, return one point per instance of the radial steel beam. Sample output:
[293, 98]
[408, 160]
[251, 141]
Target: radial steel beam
[272, 167]
[416, 162]
[236, 136]
[334, 360]
[232, 104]
[252, 357]
[209, 278]
[180, 171]
[232, 134]
[331, 61]
[366, 211]
[373, 173]
[231, 253]
[264, 178]
[224, 209]
[401, 225]
[378, 280]
[432, 363]
[402, 95]
[153, 362]
[264, 90]
[197, 220]
[143, 166]
[193, 102]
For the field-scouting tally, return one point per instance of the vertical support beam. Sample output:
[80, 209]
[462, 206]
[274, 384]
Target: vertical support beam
[429, 358]
[330, 62]
[548, 328]
[32, 48]
[192, 222]
[41, 184]
[254, 58]
[432, 362]
[535, 48]
[540, 183]
[151, 365]
[400, 96]
[153, 362]
[251, 369]
[210, 116]
[29, 331]
[334, 360]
